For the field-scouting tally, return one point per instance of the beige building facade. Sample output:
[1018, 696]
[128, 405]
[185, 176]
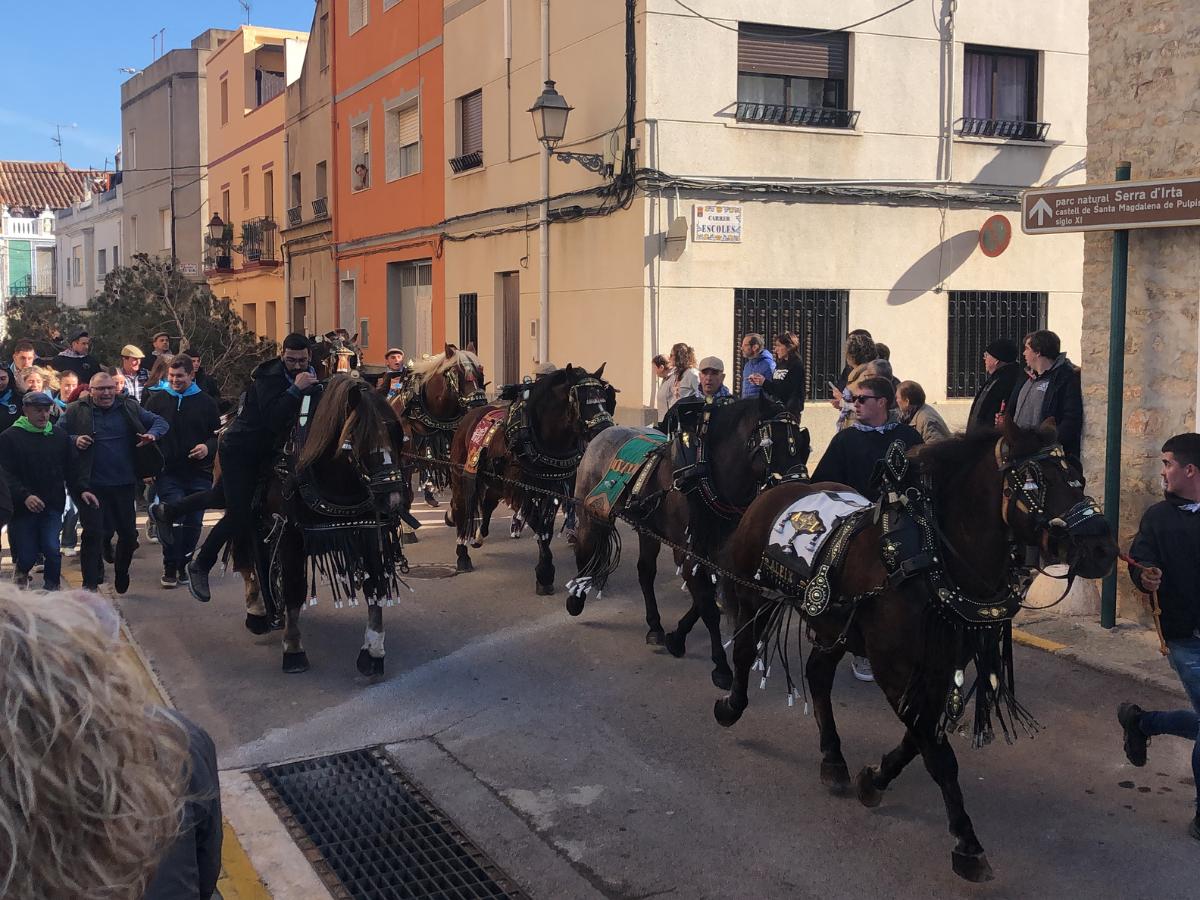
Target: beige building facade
[309, 272]
[164, 144]
[853, 171]
[1145, 64]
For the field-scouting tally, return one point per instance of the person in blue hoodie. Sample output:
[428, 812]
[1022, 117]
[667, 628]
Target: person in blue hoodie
[759, 365]
[189, 448]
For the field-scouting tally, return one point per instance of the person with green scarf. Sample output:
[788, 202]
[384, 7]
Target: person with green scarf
[40, 464]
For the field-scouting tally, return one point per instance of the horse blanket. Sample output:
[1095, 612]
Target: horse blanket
[629, 459]
[804, 527]
[485, 429]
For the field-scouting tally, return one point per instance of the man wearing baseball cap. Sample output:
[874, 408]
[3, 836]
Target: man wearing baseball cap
[135, 374]
[712, 378]
[1000, 363]
[77, 357]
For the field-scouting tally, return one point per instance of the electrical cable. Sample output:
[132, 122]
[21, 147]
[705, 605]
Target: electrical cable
[808, 34]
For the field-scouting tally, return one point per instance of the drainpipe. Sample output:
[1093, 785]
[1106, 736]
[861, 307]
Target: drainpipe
[283, 245]
[171, 155]
[508, 70]
[334, 171]
[543, 343]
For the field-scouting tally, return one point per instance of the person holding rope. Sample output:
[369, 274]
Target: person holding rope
[1163, 562]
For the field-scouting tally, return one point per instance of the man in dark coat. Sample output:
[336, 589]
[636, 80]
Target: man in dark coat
[1053, 391]
[10, 400]
[77, 357]
[1003, 373]
[203, 380]
[1165, 546]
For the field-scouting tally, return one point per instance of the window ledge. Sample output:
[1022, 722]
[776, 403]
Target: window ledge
[466, 173]
[1005, 142]
[793, 129]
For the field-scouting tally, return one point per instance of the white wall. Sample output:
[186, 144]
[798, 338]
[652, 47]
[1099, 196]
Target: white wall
[92, 226]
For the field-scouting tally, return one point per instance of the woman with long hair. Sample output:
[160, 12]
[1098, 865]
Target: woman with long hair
[683, 380]
[789, 383]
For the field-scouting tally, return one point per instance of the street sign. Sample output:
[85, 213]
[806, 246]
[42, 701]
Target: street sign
[1169, 203]
[995, 235]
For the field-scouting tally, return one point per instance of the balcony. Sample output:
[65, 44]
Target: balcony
[28, 287]
[1003, 129]
[806, 116]
[259, 240]
[293, 215]
[320, 208]
[466, 162]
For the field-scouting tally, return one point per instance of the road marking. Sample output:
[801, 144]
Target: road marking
[1033, 640]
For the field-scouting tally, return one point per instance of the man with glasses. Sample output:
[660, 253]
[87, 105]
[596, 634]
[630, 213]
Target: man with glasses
[268, 411]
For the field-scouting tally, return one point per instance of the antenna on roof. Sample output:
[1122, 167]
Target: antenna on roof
[58, 139]
[245, 5]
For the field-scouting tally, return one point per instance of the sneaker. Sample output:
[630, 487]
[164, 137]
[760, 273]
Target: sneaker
[106, 551]
[1130, 717]
[198, 582]
[430, 500]
[1194, 828]
[861, 667]
[21, 579]
[169, 579]
[158, 514]
[69, 552]
[151, 531]
[182, 576]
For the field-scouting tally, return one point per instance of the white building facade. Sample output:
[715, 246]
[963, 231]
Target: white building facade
[26, 254]
[89, 244]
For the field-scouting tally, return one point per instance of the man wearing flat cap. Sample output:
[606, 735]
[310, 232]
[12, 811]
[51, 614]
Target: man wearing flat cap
[160, 345]
[1003, 373]
[133, 370]
[397, 373]
[77, 357]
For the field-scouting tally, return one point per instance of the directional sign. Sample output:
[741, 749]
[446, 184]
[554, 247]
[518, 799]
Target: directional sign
[1108, 207]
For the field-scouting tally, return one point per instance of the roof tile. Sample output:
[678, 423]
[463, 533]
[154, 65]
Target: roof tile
[38, 185]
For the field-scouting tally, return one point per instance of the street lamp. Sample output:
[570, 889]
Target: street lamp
[550, 112]
[216, 229]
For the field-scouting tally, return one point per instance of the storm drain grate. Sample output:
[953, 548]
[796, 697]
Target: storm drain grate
[371, 834]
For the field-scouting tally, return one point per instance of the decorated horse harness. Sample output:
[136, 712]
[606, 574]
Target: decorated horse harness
[431, 443]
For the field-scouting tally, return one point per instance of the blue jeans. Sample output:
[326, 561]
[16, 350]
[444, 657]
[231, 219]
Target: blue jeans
[34, 533]
[185, 531]
[1185, 723]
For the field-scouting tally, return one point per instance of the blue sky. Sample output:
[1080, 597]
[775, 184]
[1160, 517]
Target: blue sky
[61, 61]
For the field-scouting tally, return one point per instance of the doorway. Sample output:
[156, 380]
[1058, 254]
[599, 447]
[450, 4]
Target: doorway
[410, 306]
[508, 334]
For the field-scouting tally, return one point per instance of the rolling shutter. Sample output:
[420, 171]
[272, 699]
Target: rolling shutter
[471, 109]
[775, 50]
[408, 126]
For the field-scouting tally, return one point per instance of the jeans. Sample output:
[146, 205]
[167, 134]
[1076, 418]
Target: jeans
[185, 531]
[115, 515]
[37, 533]
[1185, 723]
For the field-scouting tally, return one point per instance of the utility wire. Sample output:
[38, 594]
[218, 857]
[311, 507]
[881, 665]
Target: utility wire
[809, 34]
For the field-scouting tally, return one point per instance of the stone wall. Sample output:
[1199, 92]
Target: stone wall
[1144, 107]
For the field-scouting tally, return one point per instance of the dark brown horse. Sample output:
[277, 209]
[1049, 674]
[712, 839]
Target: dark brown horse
[749, 444]
[527, 458]
[437, 395]
[992, 495]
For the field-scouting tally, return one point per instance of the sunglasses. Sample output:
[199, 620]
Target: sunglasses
[863, 398]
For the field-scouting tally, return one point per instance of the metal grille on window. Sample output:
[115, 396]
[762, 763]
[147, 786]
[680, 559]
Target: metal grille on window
[817, 316]
[468, 320]
[976, 318]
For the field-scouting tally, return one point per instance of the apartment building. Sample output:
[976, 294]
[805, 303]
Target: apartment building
[247, 79]
[390, 173]
[790, 174]
[88, 241]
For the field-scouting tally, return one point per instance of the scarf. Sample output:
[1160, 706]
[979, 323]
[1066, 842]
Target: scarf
[882, 429]
[25, 425]
[192, 389]
[1191, 507]
[71, 354]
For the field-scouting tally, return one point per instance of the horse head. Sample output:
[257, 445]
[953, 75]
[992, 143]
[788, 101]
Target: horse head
[589, 397]
[1044, 504]
[752, 445]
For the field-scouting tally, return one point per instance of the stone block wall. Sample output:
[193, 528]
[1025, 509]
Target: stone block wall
[1144, 107]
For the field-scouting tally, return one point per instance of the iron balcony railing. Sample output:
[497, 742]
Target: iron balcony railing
[259, 240]
[293, 215]
[1008, 129]
[320, 208]
[27, 287]
[811, 116]
[467, 161]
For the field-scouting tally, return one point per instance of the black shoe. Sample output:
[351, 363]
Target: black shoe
[169, 579]
[198, 582]
[1194, 828]
[430, 500]
[121, 581]
[1130, 717]
[159, 514]
[107, 552]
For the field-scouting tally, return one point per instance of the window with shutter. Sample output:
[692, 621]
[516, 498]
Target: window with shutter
[358, 14]
[793, 76]
[1000, 94]
[471, 108]
[403, 141]
[360, 156]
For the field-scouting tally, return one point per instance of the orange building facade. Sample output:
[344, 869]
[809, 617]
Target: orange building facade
[389, 173]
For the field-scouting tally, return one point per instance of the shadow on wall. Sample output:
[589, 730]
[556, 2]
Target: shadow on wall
[934, 267]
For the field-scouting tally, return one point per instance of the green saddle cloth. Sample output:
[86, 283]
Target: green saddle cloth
[606, 495]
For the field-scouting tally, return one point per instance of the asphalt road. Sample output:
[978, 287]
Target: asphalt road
[587, 763]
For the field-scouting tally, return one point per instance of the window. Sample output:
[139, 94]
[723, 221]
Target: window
[358, 14]
[133, 238]
[364, 333]
[468, 320]
[246, 188]
[347, 303]
[77, 266]
[403, 138]
[299, 311]
[269, 323]
[269, 193]
[225, 204]
[793, 76]
[267, 86]
[1000, 94]
[319, 176]
[360, 156]
[817, 316]
[250, 317]
[164, 220]
[294, 201]
[976, 318]
[323, 40]
[224, 101]
[470, 132]
[116, 258]
[131, 150]
[101, 261]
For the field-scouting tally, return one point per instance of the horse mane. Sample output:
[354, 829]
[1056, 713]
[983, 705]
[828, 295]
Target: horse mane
[364, 425]
[953, 456]
[436, 365]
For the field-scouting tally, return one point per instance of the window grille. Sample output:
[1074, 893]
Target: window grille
[468, 320]
[976, 318]
[817, 316]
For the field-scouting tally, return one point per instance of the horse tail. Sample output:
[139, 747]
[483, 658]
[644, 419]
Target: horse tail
[597, 550]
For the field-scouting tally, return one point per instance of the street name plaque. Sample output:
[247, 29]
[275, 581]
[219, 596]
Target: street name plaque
[1168, 203]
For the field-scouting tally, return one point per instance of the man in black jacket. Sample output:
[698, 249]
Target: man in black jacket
[38, 460]
[1166, 546]
[77, 357]
[269, 410]
[10, 399]
[1054, 391]
[203, 380]
[1003, 374]
[189, 448]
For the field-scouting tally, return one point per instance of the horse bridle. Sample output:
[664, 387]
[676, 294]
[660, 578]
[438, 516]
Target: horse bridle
[466, 401]
[762, 441]
[1023, 488]
[594, 392]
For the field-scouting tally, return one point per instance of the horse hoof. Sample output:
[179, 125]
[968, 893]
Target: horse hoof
[864, 785]
[363, 663]
[674, 643]
[376, 666]
[726, 713]
[277, 623]
[448, 519]
[464, 565]
[430, 500]
[575, 603]
[295, 663]
[836, 777]
[477, 543]
[971, 866]
[545, 590]
[654, 637]
[257, 624]
[722, 678]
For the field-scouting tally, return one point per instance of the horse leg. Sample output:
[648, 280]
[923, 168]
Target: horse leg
[291, 550]
[544, 571]
[820, 670]
[490, 503]
[705, 595]
[729, 709]
[676, 641]
[257, 621]
[647, 569]
[370, 657]
[967, 858]
[872, 781]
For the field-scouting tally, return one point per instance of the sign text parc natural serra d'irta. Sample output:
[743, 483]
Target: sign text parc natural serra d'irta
[1169, 203]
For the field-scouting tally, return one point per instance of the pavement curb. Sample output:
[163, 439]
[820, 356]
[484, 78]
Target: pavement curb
[1098, 663]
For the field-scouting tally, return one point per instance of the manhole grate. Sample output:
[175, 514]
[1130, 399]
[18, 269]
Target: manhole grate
[369, 832]
[426, 570]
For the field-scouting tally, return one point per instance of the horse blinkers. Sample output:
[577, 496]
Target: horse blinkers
[593, 397]
[765, 439]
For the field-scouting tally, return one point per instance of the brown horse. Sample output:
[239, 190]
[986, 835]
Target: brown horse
[528, 459]
[437, 395]
[992, 494]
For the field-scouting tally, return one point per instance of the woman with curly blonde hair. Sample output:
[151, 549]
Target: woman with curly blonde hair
[35, 378]
[682, 379]
[92, 777]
